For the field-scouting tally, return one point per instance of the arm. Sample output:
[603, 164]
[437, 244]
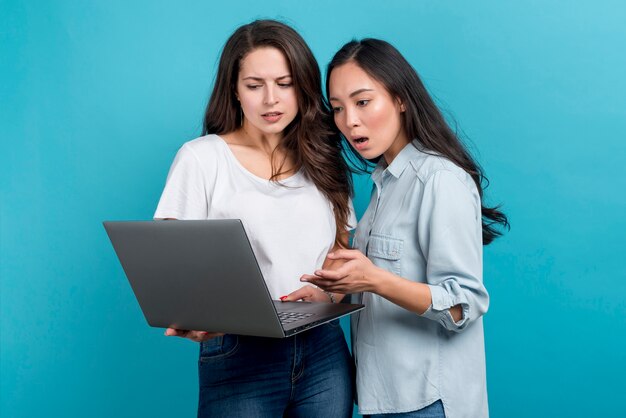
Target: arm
[358, 274]
[449, 234]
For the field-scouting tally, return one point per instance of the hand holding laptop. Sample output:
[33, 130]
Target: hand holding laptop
[197, 336]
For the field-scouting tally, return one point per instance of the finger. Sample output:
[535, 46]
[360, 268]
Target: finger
[335, 287]
[308, 277]
[322, 283]
[303, 293]
[344, 254]
[173, 332]
[200, 336]
[330, 274]
[197, 336]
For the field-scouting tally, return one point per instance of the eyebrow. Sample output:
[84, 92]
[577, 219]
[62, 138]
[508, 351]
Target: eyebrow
[354, 93]
[261, 79]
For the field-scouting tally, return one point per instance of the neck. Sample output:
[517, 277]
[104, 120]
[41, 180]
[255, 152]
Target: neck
[261, 140]
[398, 145]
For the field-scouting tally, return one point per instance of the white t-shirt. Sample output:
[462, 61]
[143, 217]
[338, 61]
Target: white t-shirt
[291, 229]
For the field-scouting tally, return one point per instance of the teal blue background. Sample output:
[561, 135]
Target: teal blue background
[96, 97]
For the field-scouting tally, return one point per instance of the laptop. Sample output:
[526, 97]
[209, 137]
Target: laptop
[203, 275]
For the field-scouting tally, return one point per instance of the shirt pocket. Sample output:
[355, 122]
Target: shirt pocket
[386, 252]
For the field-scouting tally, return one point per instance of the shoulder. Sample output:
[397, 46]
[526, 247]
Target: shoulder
[203, 150]
[433, 168]
[204, 144]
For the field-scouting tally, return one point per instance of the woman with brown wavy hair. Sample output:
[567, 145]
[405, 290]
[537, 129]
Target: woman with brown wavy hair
[268, 157]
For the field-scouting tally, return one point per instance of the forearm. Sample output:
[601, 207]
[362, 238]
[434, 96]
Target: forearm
[412, 296]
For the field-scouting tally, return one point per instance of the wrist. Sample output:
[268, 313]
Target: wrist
[330, 296]
[379, 280]
[375, 279]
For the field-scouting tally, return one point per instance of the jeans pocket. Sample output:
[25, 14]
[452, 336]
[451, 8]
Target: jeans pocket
[218, 347]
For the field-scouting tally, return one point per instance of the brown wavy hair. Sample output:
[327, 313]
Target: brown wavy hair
[422, 120]
[309, 139]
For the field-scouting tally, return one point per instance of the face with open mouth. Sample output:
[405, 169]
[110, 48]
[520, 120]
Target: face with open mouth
[265, 91]
[365, 113]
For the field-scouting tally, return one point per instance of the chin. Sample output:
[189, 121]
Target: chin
[275, 130]
[369, 154]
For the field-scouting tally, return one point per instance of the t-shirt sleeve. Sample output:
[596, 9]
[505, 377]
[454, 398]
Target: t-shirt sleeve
[185, 194]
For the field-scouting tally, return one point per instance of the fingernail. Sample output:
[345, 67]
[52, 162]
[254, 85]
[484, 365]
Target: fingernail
[283, 297]
[302, 279]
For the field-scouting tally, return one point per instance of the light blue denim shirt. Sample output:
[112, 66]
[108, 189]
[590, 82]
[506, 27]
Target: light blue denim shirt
[423, 223]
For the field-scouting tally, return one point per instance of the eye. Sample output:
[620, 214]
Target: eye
[285, 85]
[253, 86]
[362, 103]
[337, 109]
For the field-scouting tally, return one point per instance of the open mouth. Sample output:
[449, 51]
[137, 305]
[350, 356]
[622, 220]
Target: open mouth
[271, 114]
[360, 142]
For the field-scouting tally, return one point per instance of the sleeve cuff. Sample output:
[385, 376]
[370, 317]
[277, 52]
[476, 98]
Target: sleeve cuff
[438, 310]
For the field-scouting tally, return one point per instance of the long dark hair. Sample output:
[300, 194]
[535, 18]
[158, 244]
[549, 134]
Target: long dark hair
[309, 139]
[422, 120]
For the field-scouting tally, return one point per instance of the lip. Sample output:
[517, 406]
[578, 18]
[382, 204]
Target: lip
[358, 143]
[272, 117]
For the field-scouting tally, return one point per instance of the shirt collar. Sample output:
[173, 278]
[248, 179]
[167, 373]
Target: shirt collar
[398, 165]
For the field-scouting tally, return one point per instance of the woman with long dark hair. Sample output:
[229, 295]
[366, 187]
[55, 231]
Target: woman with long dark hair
[417, 266]
[269, 157]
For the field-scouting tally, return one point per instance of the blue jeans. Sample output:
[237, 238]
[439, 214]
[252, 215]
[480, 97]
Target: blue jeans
[434, 410]
[307, 375]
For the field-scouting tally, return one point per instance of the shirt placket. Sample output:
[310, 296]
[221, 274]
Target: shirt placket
[378, 184]
[378, 187]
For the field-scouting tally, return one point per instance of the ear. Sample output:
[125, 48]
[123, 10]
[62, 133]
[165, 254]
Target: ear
[402, 108]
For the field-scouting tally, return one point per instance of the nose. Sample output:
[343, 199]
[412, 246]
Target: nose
[352, 119]
[270, 97]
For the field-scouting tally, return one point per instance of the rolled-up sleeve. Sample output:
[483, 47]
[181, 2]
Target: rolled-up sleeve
[450, 236]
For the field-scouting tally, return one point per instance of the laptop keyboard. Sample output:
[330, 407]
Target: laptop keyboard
[289, 317]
